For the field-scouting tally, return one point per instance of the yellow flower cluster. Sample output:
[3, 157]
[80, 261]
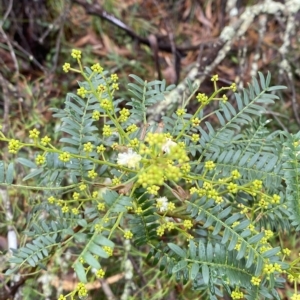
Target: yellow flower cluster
[185, 168]
[202, 98]
[92, 174]
[209, 165]
[97, 68]
[128, 235]
[76, 54]
[268, 234]
[213, 194]
[257, 184]
[88, 147]
[232, 187]
[101, 88]
[106, 104]
[171, 206]
[124, 115]
[224, 98]
[266, 201]
[167, 226]
[252, 228]
[187, 224]
[235, 295]
[286, 251]
[244, 209]
[233, 87]
[131, 128]
[155, 175]
[14, 146]
[160, 230]
[82, 186]
[76, 196]
[45, 140]
[96, 115]
[114, 77]
[81, 289]
[237, 247]
[108, 250]
[138, 211]
[275, 199]
[101, 206]
[51, 200]
[160, 168]
[153, 189]
[66, 67]
[255, 280]
[215, 78]
[271, 268]
[100, 149]
[234, 224]
[235, 174]
[180, 112]
[98, 227]
[107, 130]
[100, 273]
[34, 133]
[75, 211]
[40, 159]
[170, 225]
[82, 92]
[263, 203]
[116, 181]
[195, 137]
[64, 157]
[65, 209]
[196, 122]
[115, 86]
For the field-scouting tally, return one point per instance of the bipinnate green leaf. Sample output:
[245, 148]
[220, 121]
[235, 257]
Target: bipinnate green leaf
[176, 249]
[33, 174]
[26, 162]
[1, 171]
[91, 260]
[179, 266]
[194, 270]
[205, 273]
[80, 271]
[10, 173]
[97, 250]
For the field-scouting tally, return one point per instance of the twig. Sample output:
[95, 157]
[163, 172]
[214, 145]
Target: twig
[96, 10]
[11, 49]
[107, 290]
[62, 19]
[176, 55]
[29, 56]
[235, 30]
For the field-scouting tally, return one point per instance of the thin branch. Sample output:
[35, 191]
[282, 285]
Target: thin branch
[62, 19]
[96, 10]
[11, 49]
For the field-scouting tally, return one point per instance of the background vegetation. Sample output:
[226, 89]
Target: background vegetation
[152, 39]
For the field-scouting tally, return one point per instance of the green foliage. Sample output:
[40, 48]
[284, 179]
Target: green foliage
[207, 201]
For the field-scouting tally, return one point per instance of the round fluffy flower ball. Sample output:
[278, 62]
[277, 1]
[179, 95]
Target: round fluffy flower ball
[166, 147]
[129, 159]
[162, 204]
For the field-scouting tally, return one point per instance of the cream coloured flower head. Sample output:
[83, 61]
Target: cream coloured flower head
[167, 145]
[129, 159]
[162, 204]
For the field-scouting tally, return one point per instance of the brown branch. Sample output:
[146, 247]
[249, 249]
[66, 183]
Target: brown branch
[96, 10]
